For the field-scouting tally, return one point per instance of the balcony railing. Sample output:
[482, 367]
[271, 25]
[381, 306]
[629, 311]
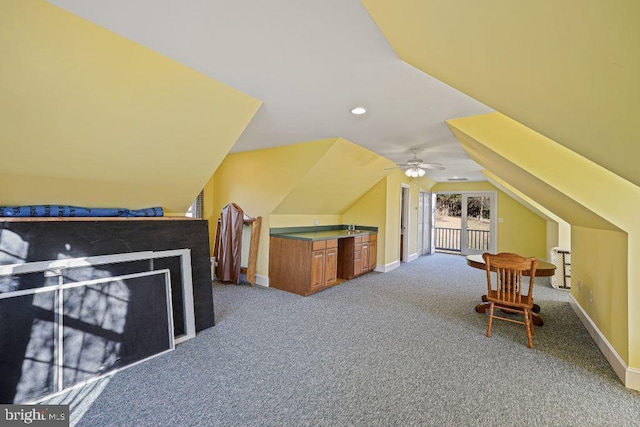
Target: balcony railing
[448, 239]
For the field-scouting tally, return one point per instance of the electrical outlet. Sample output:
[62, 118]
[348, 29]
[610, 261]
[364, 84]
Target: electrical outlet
[578, 285]
[315, 221]
[591, 297]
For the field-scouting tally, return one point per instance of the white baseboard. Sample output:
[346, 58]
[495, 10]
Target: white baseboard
[262, 280]
[388, 267]
[413, 257]
[633, 379]
[630, 377]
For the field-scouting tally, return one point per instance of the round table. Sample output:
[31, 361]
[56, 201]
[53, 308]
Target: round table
[544, 269]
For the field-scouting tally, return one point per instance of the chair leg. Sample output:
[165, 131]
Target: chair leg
[528, 324]
[531, 322]
[490, 319]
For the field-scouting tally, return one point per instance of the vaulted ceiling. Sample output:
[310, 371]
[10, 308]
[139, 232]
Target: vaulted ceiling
[567, 70]
[309, 63]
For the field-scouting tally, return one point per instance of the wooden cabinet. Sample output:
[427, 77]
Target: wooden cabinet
[331, 266]
[373, 251]
[355, 255]
[307, 266]
[317, 269]
[324, 264]
[365, 255]
[303, 266]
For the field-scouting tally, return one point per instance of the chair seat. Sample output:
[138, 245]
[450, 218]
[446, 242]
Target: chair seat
[492, 296]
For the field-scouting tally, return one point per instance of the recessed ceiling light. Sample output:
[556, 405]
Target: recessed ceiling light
[358, 111]
[456, 178]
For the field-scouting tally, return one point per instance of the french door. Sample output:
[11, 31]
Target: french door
[424, 223]
[478, 223]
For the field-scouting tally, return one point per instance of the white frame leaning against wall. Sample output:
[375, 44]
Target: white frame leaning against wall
[55, 268]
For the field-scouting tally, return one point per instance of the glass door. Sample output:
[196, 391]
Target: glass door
[424, 223]
[478, 223]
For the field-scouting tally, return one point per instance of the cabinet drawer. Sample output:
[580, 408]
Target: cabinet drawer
[365, 238]
[373, 237]
[332, 243]
[319, 244]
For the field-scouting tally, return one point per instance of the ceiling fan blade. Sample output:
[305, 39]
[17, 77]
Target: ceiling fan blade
[432, 166]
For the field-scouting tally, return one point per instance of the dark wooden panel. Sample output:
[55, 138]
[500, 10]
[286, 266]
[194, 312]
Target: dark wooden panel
[290, 265]
[69, 239]
[346, 254]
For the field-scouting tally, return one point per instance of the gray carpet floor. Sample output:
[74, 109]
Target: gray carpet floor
[396, 349]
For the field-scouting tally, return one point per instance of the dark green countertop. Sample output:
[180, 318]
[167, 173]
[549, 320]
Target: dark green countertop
[321, 232]
[323, 235]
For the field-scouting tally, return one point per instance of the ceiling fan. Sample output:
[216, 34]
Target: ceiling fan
[415, 167]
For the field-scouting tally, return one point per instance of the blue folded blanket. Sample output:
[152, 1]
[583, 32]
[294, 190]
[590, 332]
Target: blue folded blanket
[74, 211]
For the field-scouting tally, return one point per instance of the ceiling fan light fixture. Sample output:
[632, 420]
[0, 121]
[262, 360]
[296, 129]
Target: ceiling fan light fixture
[358, 111]
[414, 172]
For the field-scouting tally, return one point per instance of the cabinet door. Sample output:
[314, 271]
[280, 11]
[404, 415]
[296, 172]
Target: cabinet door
[365, 257]
[373, 255]
[317, 269]
[331, 266]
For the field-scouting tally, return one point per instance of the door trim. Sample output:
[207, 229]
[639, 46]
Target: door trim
[405, 197]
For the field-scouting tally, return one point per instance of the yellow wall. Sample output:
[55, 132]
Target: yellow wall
[392, 223]
[370, 209]
[522, 231]
[84, 109]
[335, 181]
[608, 282]
[304, 220]
[412, 225]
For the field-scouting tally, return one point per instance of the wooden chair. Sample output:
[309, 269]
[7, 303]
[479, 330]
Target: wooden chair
[507, 292]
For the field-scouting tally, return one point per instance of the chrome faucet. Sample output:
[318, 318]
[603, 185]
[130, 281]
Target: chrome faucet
[352, 227]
